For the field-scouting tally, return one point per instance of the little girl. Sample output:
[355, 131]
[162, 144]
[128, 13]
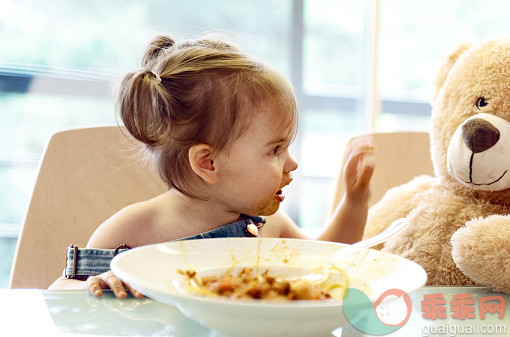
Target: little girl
[217, 125]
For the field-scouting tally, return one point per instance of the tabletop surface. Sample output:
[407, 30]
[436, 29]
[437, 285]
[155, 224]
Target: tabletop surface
[436, 311]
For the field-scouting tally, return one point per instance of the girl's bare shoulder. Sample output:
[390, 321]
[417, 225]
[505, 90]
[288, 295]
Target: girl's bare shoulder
[132, 225]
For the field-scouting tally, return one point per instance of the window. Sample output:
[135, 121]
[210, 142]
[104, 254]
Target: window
[63, 56]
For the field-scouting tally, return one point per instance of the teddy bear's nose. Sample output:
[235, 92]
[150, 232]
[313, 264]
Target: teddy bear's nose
[479, 135]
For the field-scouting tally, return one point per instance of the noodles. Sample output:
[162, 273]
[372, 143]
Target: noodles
[246, 285]
[332, 283]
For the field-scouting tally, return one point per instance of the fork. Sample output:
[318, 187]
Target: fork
[324, 271]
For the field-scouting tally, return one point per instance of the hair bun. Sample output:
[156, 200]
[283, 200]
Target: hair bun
[157, 45]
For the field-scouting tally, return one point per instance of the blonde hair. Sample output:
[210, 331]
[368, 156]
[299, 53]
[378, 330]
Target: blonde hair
[198, 92]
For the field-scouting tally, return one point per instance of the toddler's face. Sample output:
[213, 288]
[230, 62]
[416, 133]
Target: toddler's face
[258, 165]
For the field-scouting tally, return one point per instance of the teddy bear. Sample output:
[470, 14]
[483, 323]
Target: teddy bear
[459, 228]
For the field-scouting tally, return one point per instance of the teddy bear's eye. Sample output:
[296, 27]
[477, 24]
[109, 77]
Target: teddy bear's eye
[481, 102]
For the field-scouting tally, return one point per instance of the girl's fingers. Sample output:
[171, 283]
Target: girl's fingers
[135, 293]
[115, 284]
[359, 167]
[94, 284]
[366, 173]
[358, 160]
[351, 166]
[360, 144]
[105, 281]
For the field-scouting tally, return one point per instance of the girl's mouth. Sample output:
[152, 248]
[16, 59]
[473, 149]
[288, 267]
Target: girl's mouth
[280, 196]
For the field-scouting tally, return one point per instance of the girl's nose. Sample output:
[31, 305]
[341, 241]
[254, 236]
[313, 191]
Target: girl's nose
[291, 164]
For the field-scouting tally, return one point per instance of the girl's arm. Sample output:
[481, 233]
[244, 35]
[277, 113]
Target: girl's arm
[106, 236]
[350, 216]
[67, 284]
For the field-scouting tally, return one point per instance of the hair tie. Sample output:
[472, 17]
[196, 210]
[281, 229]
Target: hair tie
[157, 77]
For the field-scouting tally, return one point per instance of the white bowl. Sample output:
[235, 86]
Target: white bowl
[152, 270]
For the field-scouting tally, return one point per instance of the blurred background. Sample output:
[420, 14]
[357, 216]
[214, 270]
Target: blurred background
[356, 66]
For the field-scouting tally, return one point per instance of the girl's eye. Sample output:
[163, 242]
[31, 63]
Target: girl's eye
[276, 150]
[481, 102]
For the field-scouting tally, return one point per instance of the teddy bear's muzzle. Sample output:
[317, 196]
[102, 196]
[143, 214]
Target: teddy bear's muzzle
[479, 153]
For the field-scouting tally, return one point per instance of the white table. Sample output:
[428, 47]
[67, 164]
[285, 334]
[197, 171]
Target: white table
[33, 312]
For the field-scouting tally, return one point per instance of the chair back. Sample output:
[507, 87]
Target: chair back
[85, 176]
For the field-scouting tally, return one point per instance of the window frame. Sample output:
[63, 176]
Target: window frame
[66, 82]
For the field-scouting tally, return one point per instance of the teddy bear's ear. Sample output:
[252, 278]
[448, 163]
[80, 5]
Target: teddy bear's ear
[447, 64]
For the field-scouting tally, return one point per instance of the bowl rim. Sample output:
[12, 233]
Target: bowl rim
[179, 297]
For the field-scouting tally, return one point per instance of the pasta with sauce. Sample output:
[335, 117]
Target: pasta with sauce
[263, 286]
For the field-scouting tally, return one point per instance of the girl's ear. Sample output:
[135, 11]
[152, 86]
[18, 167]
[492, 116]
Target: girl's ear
[202, 162]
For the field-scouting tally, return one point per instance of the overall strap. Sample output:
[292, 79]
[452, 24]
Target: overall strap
[84, 262]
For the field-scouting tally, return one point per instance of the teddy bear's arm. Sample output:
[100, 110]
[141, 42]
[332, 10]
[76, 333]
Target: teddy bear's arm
[481, 250]
[396, 203]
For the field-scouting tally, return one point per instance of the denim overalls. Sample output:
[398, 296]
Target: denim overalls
[84, 262]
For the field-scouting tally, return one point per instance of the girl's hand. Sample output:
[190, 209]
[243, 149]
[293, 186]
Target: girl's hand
[359, 167]
[108, 280]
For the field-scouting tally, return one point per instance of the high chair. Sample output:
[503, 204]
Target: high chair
[85, 176]
[399, 157]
